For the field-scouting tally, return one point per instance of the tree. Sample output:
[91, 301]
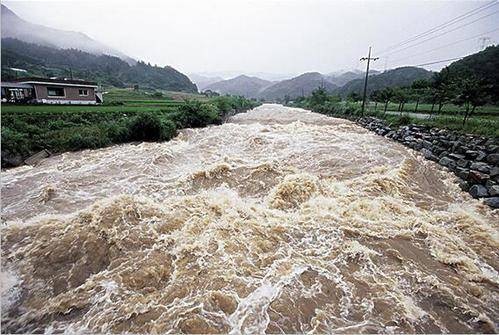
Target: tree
[471, 93]
[441, 88]
[354, 96]
[400, 95]
[319, 97]
[385, 95]
[375, 96]
[419, 87]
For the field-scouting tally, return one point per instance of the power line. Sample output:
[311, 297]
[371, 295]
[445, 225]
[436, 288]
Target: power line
[440, 61]
[444, 33]
[445, 46]
[441, 26]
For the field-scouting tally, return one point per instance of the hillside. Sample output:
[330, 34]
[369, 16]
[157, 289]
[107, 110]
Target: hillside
[483, 65]
[15, 27]
[106, 70]
[403, 76]
[243, 85]
[298, 86]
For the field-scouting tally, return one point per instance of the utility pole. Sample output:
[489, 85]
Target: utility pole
[369, 59]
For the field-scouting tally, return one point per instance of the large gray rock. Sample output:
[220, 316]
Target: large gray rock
[478, 191]
[493, 159]
[446, 161]
[480, 166]
[493, 190]
[492, 202]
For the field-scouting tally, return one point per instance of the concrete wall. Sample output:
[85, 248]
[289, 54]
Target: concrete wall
[71, 94]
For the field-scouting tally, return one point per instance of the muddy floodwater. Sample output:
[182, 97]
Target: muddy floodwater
[279, 221]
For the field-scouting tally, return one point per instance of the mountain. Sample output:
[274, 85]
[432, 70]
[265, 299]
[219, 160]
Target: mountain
[298, 86]
[402, 76]
[15, 27]
[107, 70]
[483, 65]
[231, 74]
[203, 81]
[247, 86]
[341, 78]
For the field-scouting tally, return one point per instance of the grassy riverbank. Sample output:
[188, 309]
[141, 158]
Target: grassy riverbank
[27, 129]
[484, 122]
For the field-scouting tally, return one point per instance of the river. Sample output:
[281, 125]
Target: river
[279, 221]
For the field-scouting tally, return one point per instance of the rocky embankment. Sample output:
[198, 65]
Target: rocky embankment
[474, 159]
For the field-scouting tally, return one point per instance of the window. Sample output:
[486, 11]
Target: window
[55, 92]
[83, 92]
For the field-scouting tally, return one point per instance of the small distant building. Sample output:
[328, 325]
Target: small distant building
[51, 91]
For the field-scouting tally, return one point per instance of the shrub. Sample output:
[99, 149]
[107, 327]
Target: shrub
[150, 127]
[92, 137]
[118, 132]
[15, 146]
[194, 114]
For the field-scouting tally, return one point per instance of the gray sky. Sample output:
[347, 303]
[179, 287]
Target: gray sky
[276, 36]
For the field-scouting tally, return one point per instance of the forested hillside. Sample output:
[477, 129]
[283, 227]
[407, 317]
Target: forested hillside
[403, 76]
[106, 70]
[484, 66]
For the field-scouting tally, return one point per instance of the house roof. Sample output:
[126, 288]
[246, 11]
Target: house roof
[58, 81]
[9, 84]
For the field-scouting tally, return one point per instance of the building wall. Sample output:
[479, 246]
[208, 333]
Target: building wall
[71, 94]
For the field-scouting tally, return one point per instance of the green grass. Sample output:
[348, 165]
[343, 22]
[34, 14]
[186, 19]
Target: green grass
[134, 107]
[448, 109]
[485, 125]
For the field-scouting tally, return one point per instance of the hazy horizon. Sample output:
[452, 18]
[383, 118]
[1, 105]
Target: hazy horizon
[275, 37]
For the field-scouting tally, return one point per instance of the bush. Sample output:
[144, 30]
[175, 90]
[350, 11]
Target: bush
[118, 132]
[150, 127]
[92, 137]
[194, 114]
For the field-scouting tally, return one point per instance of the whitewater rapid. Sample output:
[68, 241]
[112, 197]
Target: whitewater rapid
[279, 221]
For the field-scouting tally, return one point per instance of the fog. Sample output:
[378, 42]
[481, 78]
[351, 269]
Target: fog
[270, 36]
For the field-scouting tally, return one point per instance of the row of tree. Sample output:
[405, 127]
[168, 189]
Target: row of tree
[462, 90]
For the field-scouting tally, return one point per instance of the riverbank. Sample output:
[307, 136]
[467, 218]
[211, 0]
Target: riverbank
[474, 159]
[31, 131]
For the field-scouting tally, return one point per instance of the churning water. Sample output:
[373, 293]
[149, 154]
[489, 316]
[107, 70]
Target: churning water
[281, 220]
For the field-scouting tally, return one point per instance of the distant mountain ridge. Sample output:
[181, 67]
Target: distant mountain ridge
[249, 87]
[15, 27]
[298, 86]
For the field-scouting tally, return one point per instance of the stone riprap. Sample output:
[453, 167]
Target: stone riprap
[474, 159]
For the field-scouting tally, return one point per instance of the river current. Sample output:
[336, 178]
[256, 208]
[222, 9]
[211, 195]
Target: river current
[279, 221]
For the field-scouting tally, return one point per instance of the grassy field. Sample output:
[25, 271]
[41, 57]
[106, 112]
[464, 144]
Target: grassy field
[128, 95]
[485, 121]
[448, 109]
[126, 116]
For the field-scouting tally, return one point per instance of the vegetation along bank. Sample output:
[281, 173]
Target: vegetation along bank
[27, 130]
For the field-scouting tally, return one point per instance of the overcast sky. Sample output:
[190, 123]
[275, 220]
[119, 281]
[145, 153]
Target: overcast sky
[276, 36]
